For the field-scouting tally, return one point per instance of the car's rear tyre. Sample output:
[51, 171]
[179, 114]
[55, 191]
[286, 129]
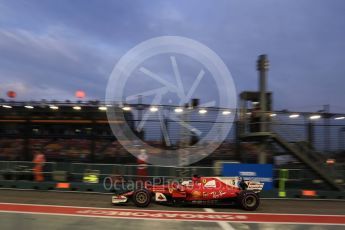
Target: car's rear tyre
[248, 200]
[141, 198]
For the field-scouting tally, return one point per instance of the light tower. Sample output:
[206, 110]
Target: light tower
[262, 67]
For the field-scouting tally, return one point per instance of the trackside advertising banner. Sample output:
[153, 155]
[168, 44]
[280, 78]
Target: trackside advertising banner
[257, 172]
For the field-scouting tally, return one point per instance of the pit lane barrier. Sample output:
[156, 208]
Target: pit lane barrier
[99, 188]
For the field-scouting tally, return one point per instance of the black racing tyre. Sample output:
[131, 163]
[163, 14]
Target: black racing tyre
[141, 198]
[248, 200]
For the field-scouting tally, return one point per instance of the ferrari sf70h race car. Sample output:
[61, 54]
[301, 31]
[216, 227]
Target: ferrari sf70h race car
[199, 190]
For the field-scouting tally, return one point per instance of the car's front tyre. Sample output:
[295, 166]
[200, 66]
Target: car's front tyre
[141, 198]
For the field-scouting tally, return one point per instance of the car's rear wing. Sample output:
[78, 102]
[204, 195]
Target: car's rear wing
[254, 186]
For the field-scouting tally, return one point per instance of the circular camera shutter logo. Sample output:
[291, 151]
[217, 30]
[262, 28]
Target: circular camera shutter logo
[170, 45]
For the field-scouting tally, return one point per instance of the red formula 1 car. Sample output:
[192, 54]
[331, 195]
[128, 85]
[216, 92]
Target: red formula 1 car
[200, 190]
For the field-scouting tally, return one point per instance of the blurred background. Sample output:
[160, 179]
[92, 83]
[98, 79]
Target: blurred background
[56, 58]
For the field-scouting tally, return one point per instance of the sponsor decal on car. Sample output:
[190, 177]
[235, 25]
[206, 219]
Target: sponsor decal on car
[160, 197]
[217, 194]
[210, 184]
[254, 186]
[196, 194]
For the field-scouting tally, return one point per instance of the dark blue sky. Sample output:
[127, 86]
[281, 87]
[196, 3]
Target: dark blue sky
[51, 48]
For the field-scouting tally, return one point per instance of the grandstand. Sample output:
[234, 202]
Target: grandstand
[80, 131]
[64, 131]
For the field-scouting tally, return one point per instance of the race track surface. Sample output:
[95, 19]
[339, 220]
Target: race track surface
[103, 201]
[41, 210]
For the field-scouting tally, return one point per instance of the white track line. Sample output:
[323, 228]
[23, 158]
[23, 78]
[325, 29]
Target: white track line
[172, 211]
[222, 224]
